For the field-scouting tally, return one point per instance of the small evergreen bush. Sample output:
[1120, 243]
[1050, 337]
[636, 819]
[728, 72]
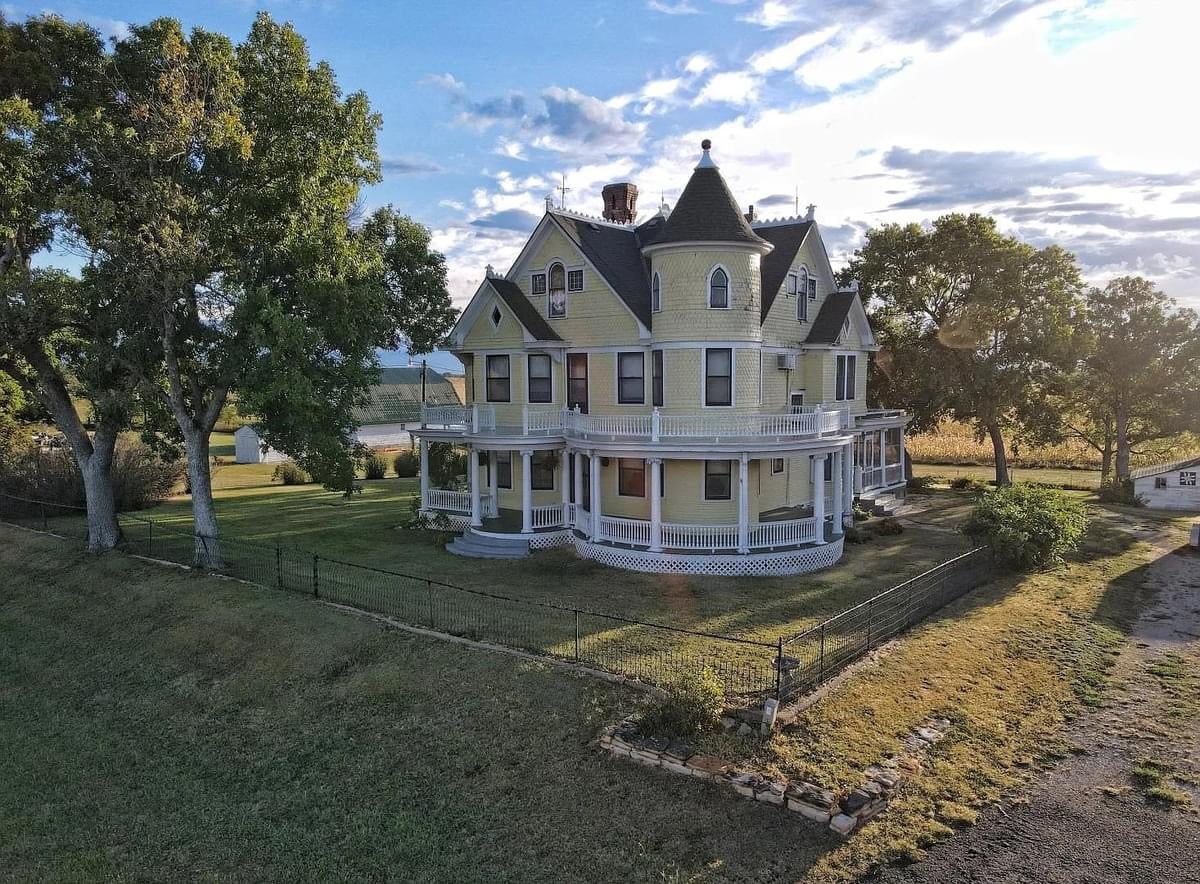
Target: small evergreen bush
[1027, 526]
[1120, 492]
[407, 464]
[375, 466]
[290, 474]
[690, 704]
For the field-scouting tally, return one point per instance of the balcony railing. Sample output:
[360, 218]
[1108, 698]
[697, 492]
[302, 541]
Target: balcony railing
[879, 414]
[447, 501]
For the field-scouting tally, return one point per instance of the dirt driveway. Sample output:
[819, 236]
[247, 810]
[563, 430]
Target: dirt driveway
[1090, 819]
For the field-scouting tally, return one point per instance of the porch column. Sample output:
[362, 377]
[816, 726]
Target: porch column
[903, 457]
[655, 467]
[564, 474]
[473, 474]
[578, 455]
[744, 503]
[818, 494]
[594, 460]
[424, 443]
[883, 457]
[848, 483]
[526, 491]
[494, 480]
[838, 501]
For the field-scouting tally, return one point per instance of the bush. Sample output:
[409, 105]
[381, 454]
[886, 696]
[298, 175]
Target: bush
[857, 535]
[1027, 526]
[290, 474]
[968, 483]
[1120, 492]
[888, 527]
[923, 483]
[407, 464]
[375, 466]
[141, 478]
[860, 512]
[690, 704]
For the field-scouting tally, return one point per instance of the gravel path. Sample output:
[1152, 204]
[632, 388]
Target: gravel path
[1084, 821]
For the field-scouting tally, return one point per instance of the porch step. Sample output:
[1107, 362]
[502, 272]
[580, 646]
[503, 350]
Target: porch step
[478, 546]
[882, 504]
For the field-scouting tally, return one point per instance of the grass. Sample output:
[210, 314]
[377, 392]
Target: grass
[163, 726]
[1087, 480]
[1008, 664]
[1178, 674]
[1154, 777]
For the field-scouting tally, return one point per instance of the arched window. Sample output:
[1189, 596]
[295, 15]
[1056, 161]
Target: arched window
[718, 288]
[557, 306]
[656, 294]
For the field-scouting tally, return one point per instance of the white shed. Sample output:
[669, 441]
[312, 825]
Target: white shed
[1170, 486]
[248, 448]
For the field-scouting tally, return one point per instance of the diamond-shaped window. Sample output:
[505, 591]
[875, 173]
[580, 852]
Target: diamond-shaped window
[496, 317]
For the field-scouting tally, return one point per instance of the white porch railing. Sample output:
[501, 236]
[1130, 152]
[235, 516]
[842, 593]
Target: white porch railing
[470, 418]
[656, 426]
[676, 536]
[788, 533]
[548, 516]
[542, 420]
[632, 531]
[879, 414]
[447, 501]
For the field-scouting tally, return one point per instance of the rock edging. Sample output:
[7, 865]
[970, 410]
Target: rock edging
[843, 813]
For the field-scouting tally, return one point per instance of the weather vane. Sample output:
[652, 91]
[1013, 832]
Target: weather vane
[563, 190]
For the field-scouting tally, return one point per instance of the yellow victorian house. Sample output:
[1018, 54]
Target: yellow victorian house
[683, 395]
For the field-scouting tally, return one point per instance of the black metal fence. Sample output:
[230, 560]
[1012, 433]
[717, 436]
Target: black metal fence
[651, 652]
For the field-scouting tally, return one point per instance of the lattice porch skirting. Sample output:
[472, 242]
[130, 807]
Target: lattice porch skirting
[765, 564]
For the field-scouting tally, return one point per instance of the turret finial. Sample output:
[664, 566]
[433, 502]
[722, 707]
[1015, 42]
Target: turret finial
[706, 162]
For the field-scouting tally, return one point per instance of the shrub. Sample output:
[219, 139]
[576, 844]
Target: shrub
[1120, 492]
[861, 514]
[857, 535]
[375, 466]
[968, 483]
[888, 527]
[1027, 526]
[690, 704]
[407, 464]
[290, 474]
[923, 483]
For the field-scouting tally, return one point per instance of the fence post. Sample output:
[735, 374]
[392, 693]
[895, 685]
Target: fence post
[316, 578]
[429, 593]
[279, 567]
[576, 635]
[870, 619]
[821, 665]
[779, 669]
[45, 524]
[150, 539]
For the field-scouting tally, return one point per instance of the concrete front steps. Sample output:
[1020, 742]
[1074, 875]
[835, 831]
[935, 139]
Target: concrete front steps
[481, 546]
[883, 503]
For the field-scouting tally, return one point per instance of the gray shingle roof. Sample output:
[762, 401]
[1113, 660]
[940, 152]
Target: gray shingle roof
[827, 327]
[787, 239]
[617, 253]
[707, 212]
[1165, 468]
[396, 399]
[525, 312]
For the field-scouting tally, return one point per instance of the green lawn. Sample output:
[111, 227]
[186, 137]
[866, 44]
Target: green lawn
[1089, 479]
[163, 726]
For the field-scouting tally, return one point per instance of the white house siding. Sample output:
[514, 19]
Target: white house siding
[1175, 496]
[384, 436]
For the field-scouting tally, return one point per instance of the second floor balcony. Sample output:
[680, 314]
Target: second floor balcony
[481, 420]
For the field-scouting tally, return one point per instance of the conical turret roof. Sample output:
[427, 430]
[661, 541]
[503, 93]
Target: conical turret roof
[707, 211]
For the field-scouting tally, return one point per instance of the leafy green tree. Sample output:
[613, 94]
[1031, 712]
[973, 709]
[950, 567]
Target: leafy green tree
[57, 333]
[222, 185]
[1137, 382]
[975, 325]
[1028, 526]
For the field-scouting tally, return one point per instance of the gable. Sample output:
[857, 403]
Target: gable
[475, 329]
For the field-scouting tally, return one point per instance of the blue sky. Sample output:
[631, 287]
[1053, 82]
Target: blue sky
[1063, 118]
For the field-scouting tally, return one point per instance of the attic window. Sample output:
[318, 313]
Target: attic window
[537, 285]
[496, 317]
[718, 289]
[575, 281]
[656, 295]
[845, 330]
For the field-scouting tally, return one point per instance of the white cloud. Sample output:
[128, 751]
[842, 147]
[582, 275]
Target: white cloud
[730, 87]
[785, 55]
[773, 14]
[698, 63]
[682, 7]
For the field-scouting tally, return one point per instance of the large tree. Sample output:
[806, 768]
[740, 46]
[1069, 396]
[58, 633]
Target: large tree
[229, 178]
[57, 333]
[1137, 382]
[974, 325]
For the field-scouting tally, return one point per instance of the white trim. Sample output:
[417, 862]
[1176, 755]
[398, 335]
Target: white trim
[704, 498]
[728, 287]
[800, 560]
[487, 387]
[732, 377]
[529, 377]
[583, 276]
[708, 245]
[644, 494]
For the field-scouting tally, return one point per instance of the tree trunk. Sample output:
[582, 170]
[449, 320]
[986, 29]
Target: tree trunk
[1001, 457]
[207, 553]
[93, 454]
[1106, 460]
[1122, 431]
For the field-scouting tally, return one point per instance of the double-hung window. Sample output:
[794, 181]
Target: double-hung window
[540, 383]
[718, 288]
[656, 377]
[497, 379]
[631, 477]
[541, 471]
[776, 465]
[631, 378]
[718, 480]
[847, 369]
[718, 376]
[504, 469]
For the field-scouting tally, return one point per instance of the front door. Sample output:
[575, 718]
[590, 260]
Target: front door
[577, 381]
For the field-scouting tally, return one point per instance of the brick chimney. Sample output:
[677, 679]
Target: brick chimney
[752, 215]
[620, 202]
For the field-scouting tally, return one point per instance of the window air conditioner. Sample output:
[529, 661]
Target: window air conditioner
[785, 361]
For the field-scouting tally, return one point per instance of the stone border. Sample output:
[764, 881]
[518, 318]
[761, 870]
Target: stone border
[842, 813]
